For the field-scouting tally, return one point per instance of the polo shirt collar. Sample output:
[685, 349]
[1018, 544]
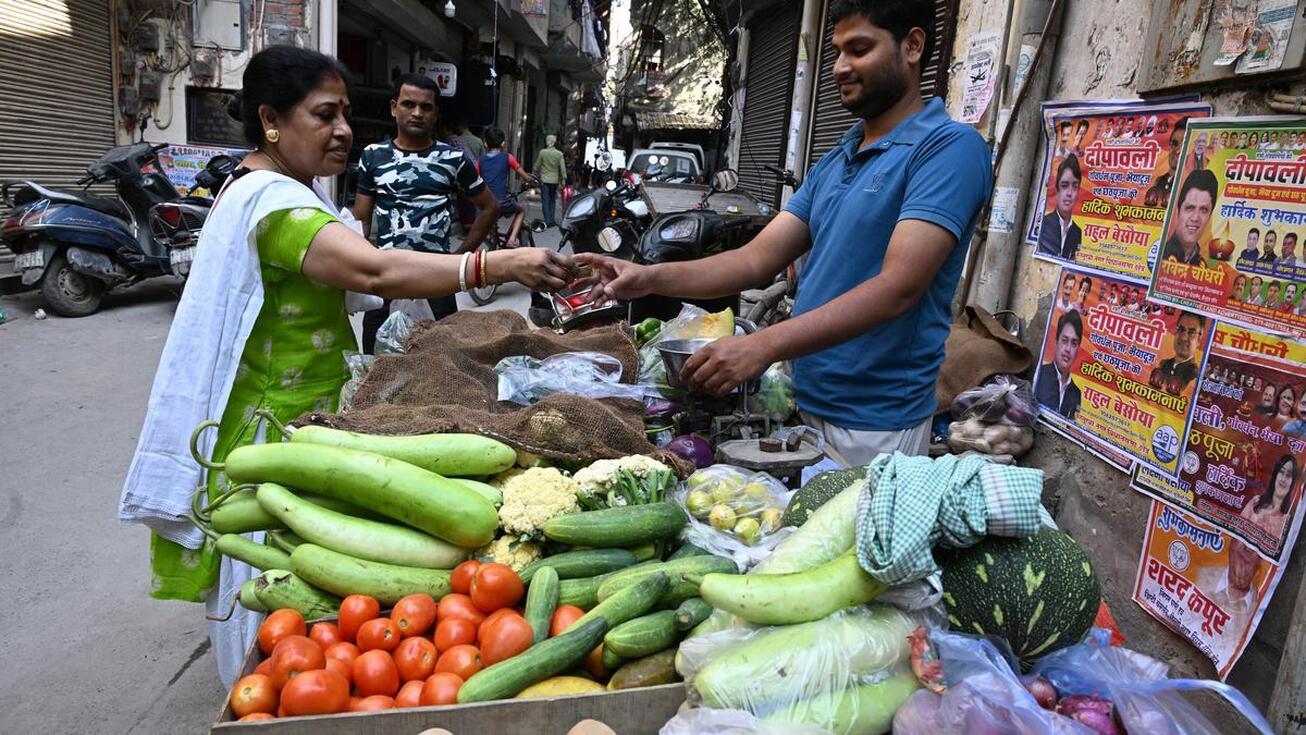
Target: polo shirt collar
[908, 132]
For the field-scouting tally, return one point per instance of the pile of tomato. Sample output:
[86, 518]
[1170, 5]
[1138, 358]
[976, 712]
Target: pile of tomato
[418, 655]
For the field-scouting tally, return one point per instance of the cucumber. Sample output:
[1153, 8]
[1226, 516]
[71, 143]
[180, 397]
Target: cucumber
[347, 575]
[611, 661]
[541, 601]
[647, 552]
[489, 492]
[249, 598]
[251, 552]
[241, 513]
[687, 549]
[549, 657]
[402, 491]
[866, 709]
[622, 527]
[358, 537]
[444, 454]
[630, 602]
[276, 589]
[642, 636]
[585, 592]
[784, 599]
[680, 589]
[660, 668]
[692, 612]
[582, 563]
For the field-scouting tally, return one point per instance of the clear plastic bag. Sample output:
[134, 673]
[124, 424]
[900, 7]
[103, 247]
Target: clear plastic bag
[356, 302]
[393, 334]
[775, 394]
[525, 380]
[730, 722]
[991, 439]
[734, 512]
[846, 673]
[359, 365]
[1005, 399]
[984, 694]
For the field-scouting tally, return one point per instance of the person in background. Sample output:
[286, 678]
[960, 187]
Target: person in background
[496, 164]
[1251, 251]
[473, 141]
[1270, 510]
[1272, 294]
[1060, 236]
[551, 170]
[1288, 258]
[1085, 288]
[1267, 250]
[408, 187]
[1065, 299]
[1255, 292]
[1285, 406]
[1081, 134]
[1269, 393]
[1239, 285]
[1054, 388]
[1063, 139]
[1175, 373]
[1289, 301]
[1156, 195]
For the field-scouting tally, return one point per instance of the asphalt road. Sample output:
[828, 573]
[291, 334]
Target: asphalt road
[85, 648]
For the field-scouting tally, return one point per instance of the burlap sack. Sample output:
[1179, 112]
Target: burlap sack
[446, 383]
[978, 347]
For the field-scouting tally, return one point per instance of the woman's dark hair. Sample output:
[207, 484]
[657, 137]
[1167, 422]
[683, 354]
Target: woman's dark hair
[1267, 497]
[897, 17]
[279, 76]
[494, 138]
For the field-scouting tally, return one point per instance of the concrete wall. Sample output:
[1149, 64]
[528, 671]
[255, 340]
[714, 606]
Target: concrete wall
[1099, 56]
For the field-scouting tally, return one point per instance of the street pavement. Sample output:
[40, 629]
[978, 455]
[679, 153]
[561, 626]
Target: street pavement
[85, 648]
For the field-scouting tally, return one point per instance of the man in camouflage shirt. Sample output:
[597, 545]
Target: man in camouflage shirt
[408, 187]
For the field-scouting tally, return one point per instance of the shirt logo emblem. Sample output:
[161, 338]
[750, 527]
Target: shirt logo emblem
[877, 181]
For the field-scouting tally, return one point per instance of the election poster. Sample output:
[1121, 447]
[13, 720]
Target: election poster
[1233, 228]
[1202, 583]
[1244, 464]
[180, 163]
[1117, 372]
[1107, 178]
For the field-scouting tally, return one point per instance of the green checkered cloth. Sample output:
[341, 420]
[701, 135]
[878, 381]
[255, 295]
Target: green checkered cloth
[909, 504]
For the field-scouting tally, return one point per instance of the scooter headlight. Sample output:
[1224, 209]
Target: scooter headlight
[678, 230]
[609, 239]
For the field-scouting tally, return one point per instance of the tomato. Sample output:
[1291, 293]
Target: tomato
[410, 694]
[372, 703]
[462, 660]
[343, 651]
[382, 633]
[496, 586]
[375, 673]
[415, 614]
[461, 580]
[503, 612]
[415, 658]
[563, 618]
[459, 606]
[255, 716]
[253, 693]
[340, 667]
[264, 667]
[354, 702]
[325, 634]
[354, 611]
[294, 655]
[317, 692]
[278, 625]
[454, 632]
[504, 638]
[441, 688]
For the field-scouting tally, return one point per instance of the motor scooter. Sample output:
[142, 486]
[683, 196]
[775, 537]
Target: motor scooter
[77, 245]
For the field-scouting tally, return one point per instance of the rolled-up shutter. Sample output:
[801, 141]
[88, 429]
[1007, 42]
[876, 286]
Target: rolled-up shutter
[772, 51]
[830, 121]
[57, 113]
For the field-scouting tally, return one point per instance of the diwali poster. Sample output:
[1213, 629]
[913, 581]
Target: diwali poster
[1107, 178]
[1118, 372]
[1234, 225]
[1244, 465]
[1202, 583]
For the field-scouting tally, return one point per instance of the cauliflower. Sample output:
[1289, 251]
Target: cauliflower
[510, 551]
[631, 480]
[534, 496]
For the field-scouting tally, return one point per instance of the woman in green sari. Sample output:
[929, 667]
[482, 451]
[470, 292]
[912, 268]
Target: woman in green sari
[262, 323]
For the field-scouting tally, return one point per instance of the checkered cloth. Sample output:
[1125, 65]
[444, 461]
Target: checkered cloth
[909, 504]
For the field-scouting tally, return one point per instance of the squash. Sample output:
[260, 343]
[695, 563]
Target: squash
[817, 491]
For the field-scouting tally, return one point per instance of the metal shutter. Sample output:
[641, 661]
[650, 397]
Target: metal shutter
[772, 50]
[830, 121]
[57, 112]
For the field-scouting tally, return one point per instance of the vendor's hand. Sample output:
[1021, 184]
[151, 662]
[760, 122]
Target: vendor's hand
[614, 278]
[724, 364]
[539, 269]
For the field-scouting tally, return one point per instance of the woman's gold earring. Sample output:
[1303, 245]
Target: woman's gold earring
[273, 135]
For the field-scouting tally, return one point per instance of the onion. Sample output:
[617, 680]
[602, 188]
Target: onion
[693, 448]
[1021, 415]
[1099, 722]
[1042, 690]
[1078, 702]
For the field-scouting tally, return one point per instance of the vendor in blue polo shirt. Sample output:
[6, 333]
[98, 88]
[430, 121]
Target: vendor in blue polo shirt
[886, 217]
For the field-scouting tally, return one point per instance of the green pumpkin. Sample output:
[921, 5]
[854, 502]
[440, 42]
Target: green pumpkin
[817, 491]
[1039, 593]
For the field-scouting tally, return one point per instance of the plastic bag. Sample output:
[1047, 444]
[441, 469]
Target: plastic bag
[416, 309]
[846, 673]
[730, 722]
[357, 302]
[525, 380]
[359, 365]
[991, 439]
[775, 394]
[393, 334]
[984, 694]
[1004, 399]
[734, 512]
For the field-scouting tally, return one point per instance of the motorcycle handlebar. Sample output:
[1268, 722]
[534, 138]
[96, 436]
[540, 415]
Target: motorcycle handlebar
[160, 146]
[85, 180]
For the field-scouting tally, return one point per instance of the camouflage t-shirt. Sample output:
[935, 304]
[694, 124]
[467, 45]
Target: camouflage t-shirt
[414, 193]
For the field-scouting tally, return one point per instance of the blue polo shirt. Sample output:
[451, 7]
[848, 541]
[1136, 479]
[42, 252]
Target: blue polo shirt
[928, 168]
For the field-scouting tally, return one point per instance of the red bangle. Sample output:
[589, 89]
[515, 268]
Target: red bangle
[476, 269]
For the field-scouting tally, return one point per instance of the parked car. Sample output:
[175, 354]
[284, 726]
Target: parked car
[665, 164]
[693, 148]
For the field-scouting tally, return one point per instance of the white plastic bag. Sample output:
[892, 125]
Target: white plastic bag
[393, 334]
[525, 380]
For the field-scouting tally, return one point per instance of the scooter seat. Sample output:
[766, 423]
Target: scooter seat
[105, 205]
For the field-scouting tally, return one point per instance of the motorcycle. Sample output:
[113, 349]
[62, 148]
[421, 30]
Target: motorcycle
[77, 245]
